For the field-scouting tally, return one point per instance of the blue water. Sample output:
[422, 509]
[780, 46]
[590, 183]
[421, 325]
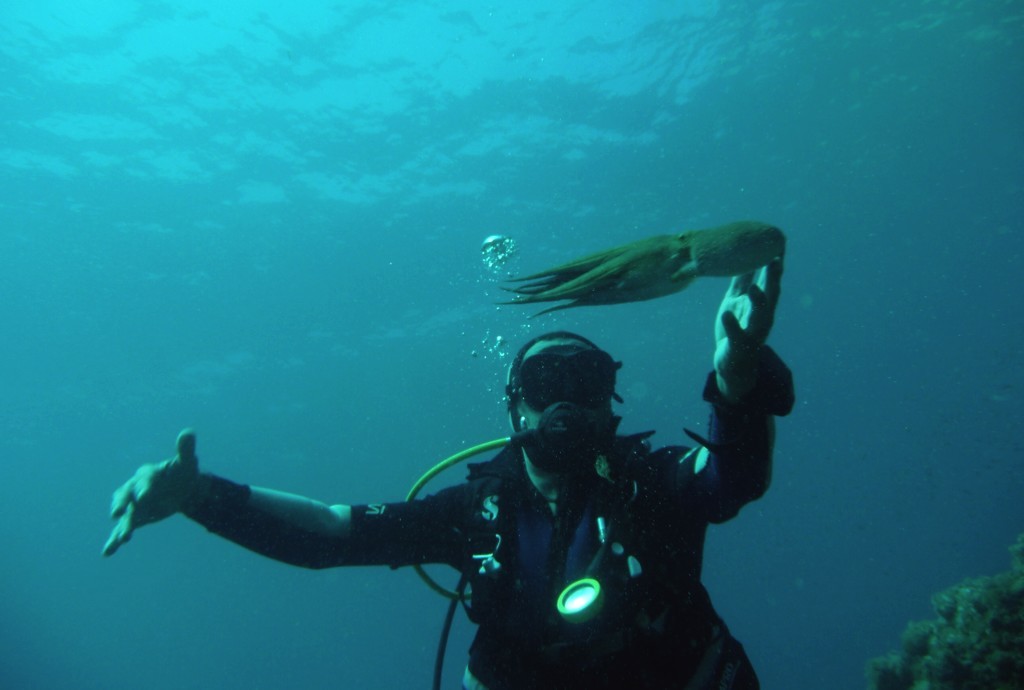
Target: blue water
[264, 219]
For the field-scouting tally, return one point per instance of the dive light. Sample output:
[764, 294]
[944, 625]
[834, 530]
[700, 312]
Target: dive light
[581, 600]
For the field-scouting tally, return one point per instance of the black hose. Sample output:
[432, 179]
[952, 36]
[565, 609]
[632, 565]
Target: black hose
[442, 644]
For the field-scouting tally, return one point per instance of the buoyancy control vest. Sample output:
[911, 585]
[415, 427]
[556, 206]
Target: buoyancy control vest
[619, 527]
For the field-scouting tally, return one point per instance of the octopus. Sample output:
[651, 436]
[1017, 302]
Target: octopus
[652, 267]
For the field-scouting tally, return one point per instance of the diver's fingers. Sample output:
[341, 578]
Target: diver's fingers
[121, 499]
[186, 445]
[763, 303]
[733, 330]
[762, 315]
[758, 299]
[770, 280]
[739, 285]
[121, 534]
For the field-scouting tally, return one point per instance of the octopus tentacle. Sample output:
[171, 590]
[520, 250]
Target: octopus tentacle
[566, 273]
[571, 284]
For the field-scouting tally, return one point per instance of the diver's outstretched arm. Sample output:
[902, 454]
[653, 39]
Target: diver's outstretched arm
[745, 319]
[303, 513]
[159, 490]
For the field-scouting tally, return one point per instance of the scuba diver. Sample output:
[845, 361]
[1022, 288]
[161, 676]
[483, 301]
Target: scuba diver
[581, 548]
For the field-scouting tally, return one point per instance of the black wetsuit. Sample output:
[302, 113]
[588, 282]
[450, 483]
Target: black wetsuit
[657, 628]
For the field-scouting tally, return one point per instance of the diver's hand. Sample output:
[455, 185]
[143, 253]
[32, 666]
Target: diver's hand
[744, 321]
[156, 491]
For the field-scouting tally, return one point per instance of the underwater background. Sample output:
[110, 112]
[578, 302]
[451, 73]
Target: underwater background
[265, 220]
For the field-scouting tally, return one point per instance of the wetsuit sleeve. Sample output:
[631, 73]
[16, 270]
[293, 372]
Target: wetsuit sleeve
[428, 530]
[740, 437]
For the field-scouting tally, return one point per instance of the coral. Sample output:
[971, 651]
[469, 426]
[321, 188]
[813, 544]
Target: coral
[976, 643]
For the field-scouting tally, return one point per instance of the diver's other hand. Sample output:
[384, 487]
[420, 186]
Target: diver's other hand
[156, 491]
[745, 319]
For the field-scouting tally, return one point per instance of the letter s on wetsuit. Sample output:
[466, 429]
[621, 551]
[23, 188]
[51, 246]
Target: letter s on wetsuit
[657, 628]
